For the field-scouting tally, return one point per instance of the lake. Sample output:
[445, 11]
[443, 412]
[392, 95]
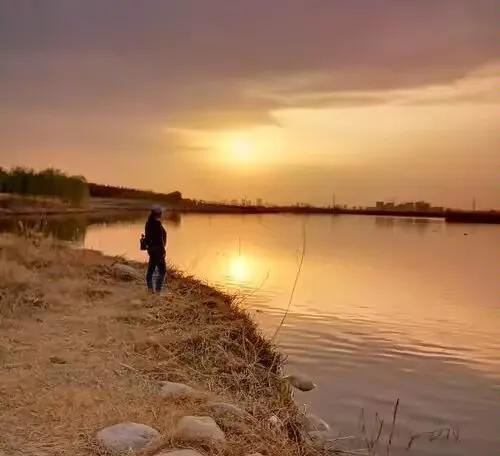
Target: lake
[384, 308]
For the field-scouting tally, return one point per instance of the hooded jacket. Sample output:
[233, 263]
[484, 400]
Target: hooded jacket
[156, 236]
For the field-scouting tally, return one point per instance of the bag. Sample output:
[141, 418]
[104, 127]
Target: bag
[142, 242]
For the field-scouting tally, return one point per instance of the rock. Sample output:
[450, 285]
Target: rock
[255, 454]
[199, 429]
[126, 436]
[172, 390]
[318, 437]
[300, 382]
[176, 452]
[125, 272]
[223, 408]
[314, 423]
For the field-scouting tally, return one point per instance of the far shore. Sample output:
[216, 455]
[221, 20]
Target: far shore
[22, 206]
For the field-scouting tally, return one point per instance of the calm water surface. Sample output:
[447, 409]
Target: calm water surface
[384, 308]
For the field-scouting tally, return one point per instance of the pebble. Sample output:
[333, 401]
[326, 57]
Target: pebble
[173, 390]
[223, 408]
[300, 382]
[199, 429]
[176, 452]
[125, 272]
[126, 437]
[315, 423]
[319, 437]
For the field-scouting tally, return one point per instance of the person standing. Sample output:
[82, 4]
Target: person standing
[155, 240]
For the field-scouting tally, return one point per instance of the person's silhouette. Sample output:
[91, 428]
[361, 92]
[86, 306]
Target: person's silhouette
[156, 241]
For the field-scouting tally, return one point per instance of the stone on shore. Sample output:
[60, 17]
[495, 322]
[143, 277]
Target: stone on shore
[199, 429]
[173, 390]
[177, 452]
[315, 423]
[223, 408]
[318, 437]
[125, 272]
[126, 437]
[300, 382]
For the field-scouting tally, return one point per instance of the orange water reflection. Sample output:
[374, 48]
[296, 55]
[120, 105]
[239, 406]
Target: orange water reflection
[424, 281]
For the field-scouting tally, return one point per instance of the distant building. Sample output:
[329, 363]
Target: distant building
[258, 202]
[383, 206]
[409, 206]
[422, 206]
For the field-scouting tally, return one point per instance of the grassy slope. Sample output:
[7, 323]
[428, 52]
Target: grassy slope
[80, 349]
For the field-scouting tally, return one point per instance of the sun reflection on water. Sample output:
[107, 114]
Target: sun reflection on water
[238, 269]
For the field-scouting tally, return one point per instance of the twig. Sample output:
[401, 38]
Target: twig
[443, 433]
[126, 366]
[297, 275]
[381, 424]
[244, 296]
[389, 443]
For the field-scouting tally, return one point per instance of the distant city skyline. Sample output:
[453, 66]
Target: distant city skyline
[418, 205]
[284, 100]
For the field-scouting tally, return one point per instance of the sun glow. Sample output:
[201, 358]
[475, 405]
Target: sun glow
[239, 149]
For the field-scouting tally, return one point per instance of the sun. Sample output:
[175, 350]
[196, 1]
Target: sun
[240, 149]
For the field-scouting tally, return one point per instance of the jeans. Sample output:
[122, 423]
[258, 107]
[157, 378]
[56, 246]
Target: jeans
[156, 261]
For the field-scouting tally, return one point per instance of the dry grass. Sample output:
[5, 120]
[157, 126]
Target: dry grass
[25, 203]
[80, 349]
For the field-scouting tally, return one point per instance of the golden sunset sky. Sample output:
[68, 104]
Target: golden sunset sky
[283, 100]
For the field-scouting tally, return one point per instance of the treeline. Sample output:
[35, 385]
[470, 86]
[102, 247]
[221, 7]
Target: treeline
[49, 182]
[109, 191]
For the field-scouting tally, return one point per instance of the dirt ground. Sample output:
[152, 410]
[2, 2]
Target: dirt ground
[82, 346]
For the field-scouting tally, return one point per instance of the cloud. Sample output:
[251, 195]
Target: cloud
[123, 72]
[478, 86]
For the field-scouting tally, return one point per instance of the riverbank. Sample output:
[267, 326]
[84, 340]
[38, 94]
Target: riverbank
[82, 347]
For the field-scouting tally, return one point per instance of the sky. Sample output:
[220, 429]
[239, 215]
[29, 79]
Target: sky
[288, 101]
